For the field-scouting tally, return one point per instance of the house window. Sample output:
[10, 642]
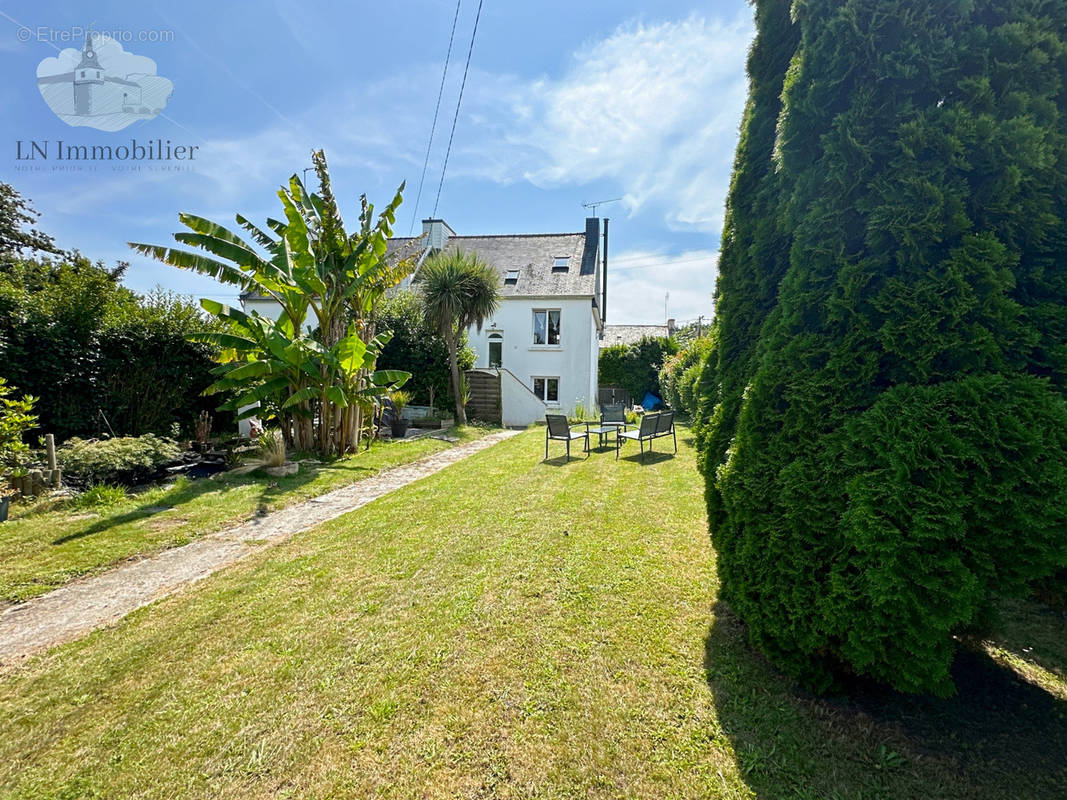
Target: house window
[511, 276]
[561, 264]
[496, 351]
[546, 326]
[547, 389]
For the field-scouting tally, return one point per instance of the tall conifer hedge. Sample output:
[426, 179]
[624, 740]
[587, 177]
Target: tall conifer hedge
[884, 432]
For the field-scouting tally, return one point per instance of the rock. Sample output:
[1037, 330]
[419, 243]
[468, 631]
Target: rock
[289, 468]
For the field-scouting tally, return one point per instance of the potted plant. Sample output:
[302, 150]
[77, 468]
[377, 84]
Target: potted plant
[400, 399]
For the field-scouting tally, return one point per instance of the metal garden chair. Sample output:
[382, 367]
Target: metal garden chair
[558, 429]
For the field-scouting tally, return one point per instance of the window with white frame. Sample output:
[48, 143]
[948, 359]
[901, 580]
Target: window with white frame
[546, 389]
[546, 326]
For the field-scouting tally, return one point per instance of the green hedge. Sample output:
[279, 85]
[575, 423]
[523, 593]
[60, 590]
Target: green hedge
[680, 375]
[884, 439]
[635, 367]
[73, 336]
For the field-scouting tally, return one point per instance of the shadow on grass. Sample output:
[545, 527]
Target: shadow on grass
[1000, 737]
[561, 461]
[649, 457]
[271, 489]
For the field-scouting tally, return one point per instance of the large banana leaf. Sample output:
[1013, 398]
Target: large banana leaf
[324, 278]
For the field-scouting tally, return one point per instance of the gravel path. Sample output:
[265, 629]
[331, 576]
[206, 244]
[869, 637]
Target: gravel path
[90, 603]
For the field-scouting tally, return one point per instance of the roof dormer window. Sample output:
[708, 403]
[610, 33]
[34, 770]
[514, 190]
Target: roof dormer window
[561, 264]
[511, 276]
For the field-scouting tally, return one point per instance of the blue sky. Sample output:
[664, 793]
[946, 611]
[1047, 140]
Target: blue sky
[564, 104]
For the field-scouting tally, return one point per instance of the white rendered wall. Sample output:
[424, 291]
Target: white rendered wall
[519, 406]
[265, 308]
[574, 361]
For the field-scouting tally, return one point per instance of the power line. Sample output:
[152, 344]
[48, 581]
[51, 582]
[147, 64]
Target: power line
[433, 126]
[459, 100]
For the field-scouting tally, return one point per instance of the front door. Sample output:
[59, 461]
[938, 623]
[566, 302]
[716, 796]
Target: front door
[496, 351]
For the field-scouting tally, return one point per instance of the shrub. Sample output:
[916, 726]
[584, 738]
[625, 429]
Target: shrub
[98, 497]
[125, 460]
[271, 446]
[687, 385]
[418, 348]
[884, 438]
[16, 418]
[635, 367]
[681, 372]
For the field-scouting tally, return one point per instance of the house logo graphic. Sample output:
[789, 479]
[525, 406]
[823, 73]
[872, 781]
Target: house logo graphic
[102, 86]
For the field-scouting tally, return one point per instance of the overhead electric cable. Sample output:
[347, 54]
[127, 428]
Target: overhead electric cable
[455, 117]
[433, 126]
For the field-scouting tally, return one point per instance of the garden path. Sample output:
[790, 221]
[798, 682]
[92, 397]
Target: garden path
[90, 603]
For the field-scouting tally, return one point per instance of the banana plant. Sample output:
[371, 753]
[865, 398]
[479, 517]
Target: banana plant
[314, 367]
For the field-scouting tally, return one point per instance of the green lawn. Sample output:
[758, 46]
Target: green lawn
[40, 550]
[504, 628]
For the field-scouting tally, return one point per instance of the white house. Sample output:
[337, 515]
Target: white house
[543, 344]
[544, 340]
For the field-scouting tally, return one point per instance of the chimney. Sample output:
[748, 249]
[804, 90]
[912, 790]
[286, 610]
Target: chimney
[437, 233]
[589, 253]
[670, 327]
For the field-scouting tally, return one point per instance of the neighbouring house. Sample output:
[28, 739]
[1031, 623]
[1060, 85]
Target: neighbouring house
[632, 334]
[539, 353]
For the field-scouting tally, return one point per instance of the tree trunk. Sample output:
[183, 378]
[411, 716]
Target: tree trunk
[453, 362]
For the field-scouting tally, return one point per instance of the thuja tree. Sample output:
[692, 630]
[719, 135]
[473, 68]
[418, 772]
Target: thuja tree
[314, 367]
[886, 441]
[755, 248]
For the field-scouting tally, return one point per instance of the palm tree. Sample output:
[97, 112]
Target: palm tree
[460, 290]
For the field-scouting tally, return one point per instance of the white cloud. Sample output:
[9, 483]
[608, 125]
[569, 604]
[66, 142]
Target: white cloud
[654, 107]
[638, 280]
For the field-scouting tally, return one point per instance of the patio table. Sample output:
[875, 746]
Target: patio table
[602, 430]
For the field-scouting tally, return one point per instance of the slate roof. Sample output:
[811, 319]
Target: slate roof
[533, 256]
[631, 334]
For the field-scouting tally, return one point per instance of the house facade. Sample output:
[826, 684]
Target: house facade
[543, 343]
[544, 340]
